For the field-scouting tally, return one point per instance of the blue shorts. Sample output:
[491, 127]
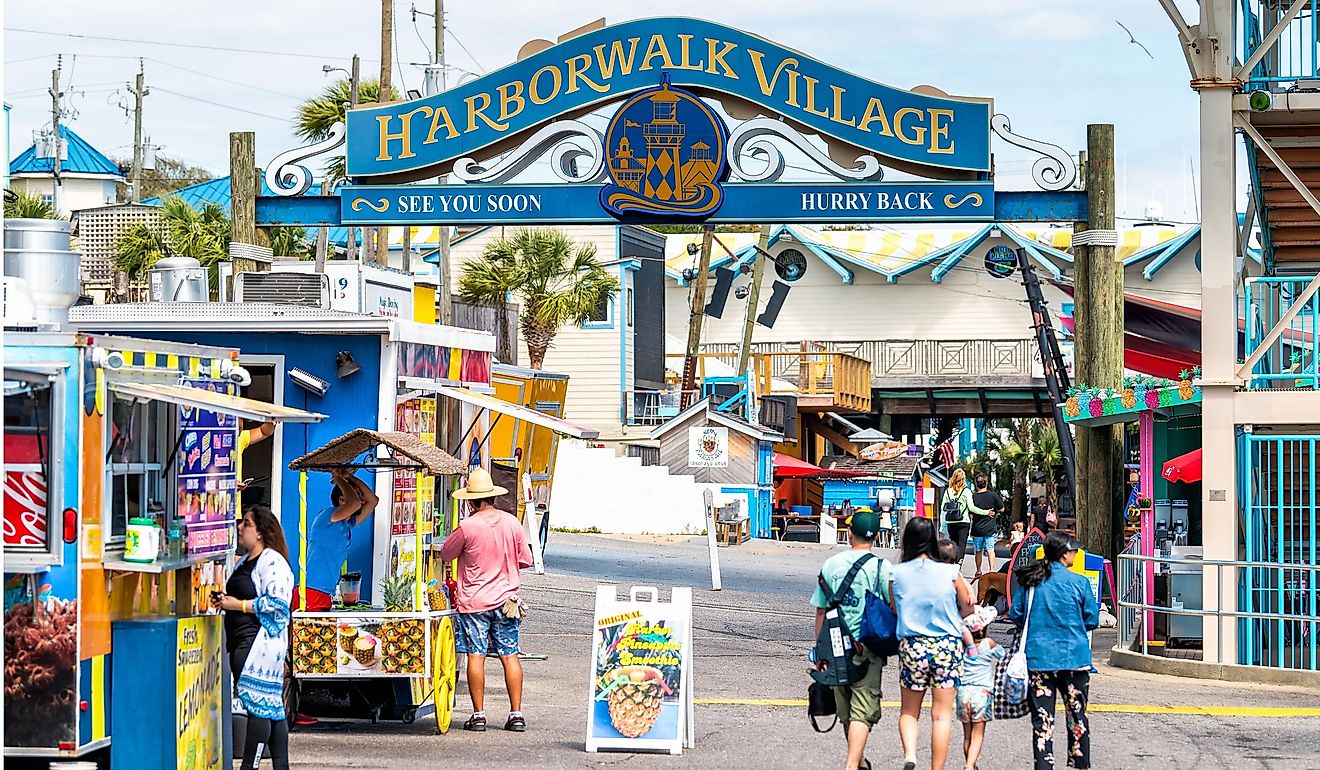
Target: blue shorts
[481, 632]
[982, 544]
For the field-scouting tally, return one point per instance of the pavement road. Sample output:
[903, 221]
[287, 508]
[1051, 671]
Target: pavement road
[749, 669]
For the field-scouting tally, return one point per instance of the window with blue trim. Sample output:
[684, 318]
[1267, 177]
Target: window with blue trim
[603, 317]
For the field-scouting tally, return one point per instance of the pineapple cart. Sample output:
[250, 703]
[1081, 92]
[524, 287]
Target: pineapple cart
[411, 636]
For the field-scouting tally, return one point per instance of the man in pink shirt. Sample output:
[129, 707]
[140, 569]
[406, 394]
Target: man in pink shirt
[491, 548]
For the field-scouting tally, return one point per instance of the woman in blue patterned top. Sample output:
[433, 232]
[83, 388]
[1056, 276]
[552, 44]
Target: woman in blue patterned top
[256, 605]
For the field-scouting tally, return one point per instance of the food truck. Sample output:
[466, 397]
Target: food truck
[120, 499]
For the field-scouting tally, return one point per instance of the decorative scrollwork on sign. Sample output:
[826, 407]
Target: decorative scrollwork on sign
[286, 176]
[972, 198]
[755, 138]
[567, 141]
[1055, 171]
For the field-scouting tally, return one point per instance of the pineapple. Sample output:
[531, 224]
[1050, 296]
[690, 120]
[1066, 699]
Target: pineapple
[397, 592]
[1071, 407]
[1129, 397]
[1185, 385]
[348, 636]
[364, 650]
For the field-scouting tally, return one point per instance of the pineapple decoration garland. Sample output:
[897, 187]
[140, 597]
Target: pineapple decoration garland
[638, 666]
[1139, 386]
[402, 646]
[1084, 399]
[1129, 394]
[1071, 406]
[1185, 384]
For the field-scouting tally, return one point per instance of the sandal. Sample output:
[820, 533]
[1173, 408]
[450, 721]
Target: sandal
[516, 724]
[476, 724]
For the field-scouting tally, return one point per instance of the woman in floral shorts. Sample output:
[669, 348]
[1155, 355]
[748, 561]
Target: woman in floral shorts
[931, 599]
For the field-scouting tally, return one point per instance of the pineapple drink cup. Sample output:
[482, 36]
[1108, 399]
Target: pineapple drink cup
[348, 636]
[364, 651]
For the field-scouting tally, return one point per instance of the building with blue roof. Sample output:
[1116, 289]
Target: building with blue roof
[87, 176]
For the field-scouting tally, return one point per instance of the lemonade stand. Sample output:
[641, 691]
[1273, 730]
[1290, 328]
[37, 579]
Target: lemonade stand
[410, 635]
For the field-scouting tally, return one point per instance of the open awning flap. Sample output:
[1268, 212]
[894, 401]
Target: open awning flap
[38, 369]
[209, 400]
[563, 427]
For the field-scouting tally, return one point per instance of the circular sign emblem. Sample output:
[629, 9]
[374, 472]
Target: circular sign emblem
[1000, 262]
[791, 264]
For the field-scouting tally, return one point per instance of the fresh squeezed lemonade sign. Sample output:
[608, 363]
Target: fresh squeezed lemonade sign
[198, 693]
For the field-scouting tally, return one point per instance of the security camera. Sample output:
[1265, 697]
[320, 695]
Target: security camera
[308, 381]
[240, 375]
[113, 360]
[741, 292]
[692, 249]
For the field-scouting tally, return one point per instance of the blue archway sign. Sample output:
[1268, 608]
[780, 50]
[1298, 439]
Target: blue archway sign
[667, 154]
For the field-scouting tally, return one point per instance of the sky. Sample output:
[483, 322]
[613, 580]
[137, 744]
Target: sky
[1052, 66]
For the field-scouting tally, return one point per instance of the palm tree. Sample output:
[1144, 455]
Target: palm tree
[559, 282]
[318, 114]
[26, 205]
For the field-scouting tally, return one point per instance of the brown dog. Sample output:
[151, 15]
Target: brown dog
[988, 582]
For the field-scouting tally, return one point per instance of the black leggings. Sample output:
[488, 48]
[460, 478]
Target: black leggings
[958, 534]
[266, 735]
[261, 736]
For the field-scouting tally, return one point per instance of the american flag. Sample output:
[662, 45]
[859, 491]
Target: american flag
[945, 454]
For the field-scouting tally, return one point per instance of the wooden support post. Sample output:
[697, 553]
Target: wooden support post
[753, 299]
[243, 194]
[698, 313]
[1098, 353]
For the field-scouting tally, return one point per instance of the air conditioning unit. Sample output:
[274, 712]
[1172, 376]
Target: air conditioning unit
[308, 289]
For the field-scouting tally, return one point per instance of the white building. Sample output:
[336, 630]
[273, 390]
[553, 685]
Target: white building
[87, 177]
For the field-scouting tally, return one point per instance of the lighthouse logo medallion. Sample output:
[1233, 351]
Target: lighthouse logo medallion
[666, 156]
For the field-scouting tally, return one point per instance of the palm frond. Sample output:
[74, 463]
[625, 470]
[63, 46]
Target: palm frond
[29, 206]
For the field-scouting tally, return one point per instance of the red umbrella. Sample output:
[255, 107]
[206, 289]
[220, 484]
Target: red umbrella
[792, 468]
[1185, 468]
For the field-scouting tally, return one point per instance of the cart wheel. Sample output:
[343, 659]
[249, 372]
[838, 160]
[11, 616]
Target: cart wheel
[444, 674]
[409, 716]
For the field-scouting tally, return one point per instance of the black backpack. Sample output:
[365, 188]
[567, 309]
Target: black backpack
[835, 644]
[953, 510]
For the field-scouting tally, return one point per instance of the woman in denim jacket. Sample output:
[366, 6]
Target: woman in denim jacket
[1063, 609]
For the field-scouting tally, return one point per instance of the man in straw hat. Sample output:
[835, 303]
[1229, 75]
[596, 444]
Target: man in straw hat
[491, 548]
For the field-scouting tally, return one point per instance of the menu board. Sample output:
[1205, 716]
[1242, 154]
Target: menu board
[206, 483]
[412, 509]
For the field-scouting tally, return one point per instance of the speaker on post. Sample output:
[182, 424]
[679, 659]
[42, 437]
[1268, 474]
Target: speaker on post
[719, 294]
[776, 303]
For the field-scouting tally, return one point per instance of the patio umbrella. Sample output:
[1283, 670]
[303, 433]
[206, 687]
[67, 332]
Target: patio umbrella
[1185, 468]
[792, 468]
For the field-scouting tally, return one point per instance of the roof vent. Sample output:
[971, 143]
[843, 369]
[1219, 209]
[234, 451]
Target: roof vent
[308, 289]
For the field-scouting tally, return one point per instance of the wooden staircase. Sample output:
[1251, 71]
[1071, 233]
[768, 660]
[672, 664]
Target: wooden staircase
[1291, 226]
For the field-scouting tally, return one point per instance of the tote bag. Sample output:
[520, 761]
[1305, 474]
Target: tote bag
[1011, 676]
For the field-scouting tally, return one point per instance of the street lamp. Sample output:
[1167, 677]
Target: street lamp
[327, 69]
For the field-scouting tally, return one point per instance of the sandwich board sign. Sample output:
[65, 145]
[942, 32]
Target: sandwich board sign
[641, 672]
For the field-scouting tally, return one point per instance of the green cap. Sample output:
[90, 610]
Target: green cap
[865, 524]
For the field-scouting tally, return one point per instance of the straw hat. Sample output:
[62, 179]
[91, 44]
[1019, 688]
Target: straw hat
[478, 486]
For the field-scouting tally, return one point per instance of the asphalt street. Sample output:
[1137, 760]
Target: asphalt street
[750, 681]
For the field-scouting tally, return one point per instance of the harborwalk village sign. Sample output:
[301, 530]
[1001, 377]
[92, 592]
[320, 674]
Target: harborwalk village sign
[701, 118]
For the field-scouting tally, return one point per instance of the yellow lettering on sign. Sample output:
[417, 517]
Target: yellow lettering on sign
[938, 130]
[441, 118]
[616, 58]
[404, 136]
[685, 55]
[577, 67]
[657, 49]
[811, 97]
[768, 86]
[837, 117]
[511, 93]
[534, 92]
[714, 57]
[792, 87]
[919, 129]
[475, 112]
[875, 110]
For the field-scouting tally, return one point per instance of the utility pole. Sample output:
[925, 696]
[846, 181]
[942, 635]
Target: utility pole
[689, 383]
[1099, 346]
[382, 239]
[351, 253]
[446, 309]
[243, 195]
[55, 96]
[139, 92]
[753, 298]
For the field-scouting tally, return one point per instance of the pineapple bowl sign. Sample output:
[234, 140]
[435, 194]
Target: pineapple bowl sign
[641, 688]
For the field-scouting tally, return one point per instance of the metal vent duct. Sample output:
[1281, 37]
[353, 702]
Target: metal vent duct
[308, 289]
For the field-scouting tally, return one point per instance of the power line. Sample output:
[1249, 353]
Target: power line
[450, 31]
[218, 104]
[217, 77]
[181, 45]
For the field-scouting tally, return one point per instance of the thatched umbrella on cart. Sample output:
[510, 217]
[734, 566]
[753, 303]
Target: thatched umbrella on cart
[361, 449]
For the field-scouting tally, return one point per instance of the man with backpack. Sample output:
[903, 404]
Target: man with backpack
[851, 671]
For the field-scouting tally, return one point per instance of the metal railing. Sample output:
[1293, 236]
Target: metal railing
[651, 407]
[1290, 360]
[1279, 634]
[1293, 57]
[841, 376]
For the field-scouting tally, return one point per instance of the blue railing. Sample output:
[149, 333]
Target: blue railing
[1293, 57]
[1290, 360]
[1279, 522]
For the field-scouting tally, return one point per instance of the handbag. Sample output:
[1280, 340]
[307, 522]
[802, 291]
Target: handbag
[879, 631]
[1011, 676]
[820, 703]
